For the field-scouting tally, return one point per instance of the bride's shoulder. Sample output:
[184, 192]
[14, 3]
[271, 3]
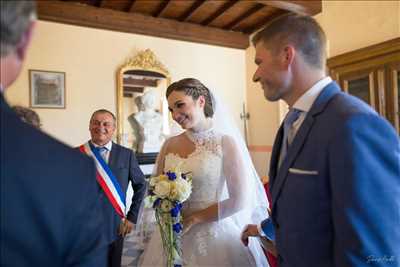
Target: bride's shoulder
[176, 139]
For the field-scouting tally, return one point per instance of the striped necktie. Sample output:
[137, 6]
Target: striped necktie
[103, 152]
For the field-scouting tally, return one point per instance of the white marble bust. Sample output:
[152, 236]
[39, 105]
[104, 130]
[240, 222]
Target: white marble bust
[148, 124]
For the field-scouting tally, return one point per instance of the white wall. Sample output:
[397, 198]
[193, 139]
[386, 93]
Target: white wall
[90, 59]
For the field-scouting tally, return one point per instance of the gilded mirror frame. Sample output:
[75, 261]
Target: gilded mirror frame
[145, 60]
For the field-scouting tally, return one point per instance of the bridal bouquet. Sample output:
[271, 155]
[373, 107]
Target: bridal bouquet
[167, 192]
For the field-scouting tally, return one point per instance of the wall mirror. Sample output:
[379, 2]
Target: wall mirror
[142, 111]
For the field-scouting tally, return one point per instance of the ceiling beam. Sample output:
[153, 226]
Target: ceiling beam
[161, 9]
[88, 16]
[244, 16]
[219, 12]
[262, 23]
[310, 7]
[188, 14]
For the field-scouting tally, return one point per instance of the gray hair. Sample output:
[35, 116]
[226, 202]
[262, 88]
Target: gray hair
[104, 111]
[14, 20]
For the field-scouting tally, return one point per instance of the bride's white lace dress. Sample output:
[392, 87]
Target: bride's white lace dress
[208, 244]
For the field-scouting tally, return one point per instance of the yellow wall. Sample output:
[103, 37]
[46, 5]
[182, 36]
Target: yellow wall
[264, 118]
[349, 25]
[90, 59]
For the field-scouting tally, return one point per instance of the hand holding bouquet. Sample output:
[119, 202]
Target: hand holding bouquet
[167, 192]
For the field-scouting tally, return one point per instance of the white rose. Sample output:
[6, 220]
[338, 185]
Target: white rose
[162, 189]
[154, 181]
[183, 189]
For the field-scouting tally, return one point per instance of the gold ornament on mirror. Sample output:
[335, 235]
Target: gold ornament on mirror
[145, 60]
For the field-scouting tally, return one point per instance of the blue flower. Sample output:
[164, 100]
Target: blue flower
[177, 227]
[171, 175]
[175, 211]
[177, 208]
[156, 202]
[177, 265]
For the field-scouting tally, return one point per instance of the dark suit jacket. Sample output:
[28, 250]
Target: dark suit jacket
[336, 196]
[50, 213]
[124, 166]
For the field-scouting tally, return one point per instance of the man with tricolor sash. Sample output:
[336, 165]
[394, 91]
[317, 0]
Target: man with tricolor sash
[116, 166]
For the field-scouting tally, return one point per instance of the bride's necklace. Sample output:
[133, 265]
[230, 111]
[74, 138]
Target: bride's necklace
[200, 137]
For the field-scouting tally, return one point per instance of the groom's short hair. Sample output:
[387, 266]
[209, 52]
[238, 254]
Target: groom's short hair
[303, 32]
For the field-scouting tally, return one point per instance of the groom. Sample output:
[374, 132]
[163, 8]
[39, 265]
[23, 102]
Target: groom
[118, 168]
[335, 164]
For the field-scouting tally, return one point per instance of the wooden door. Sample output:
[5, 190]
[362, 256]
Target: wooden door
[364, 85]
[393, 92]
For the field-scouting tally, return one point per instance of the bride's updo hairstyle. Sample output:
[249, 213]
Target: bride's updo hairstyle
[194, 88]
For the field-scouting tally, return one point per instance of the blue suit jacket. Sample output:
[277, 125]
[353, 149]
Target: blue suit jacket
[50, 213]
[124, 166]
[336, 197]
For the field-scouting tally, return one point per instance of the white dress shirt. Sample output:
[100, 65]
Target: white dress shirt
[305, 102]
[107, 153]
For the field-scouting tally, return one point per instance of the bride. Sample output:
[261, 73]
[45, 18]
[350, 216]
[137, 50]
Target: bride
[226, 192]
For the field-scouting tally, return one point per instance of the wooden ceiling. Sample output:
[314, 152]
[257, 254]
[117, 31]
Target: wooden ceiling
[217, 22]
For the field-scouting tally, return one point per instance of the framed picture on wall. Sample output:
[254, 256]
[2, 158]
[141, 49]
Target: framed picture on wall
[47, 89]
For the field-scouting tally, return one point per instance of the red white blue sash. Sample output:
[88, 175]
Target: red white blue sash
[106, 179]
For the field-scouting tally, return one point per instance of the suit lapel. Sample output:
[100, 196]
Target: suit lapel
[113, 156]
[280, 175]
[273, 166]
[292, 153]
